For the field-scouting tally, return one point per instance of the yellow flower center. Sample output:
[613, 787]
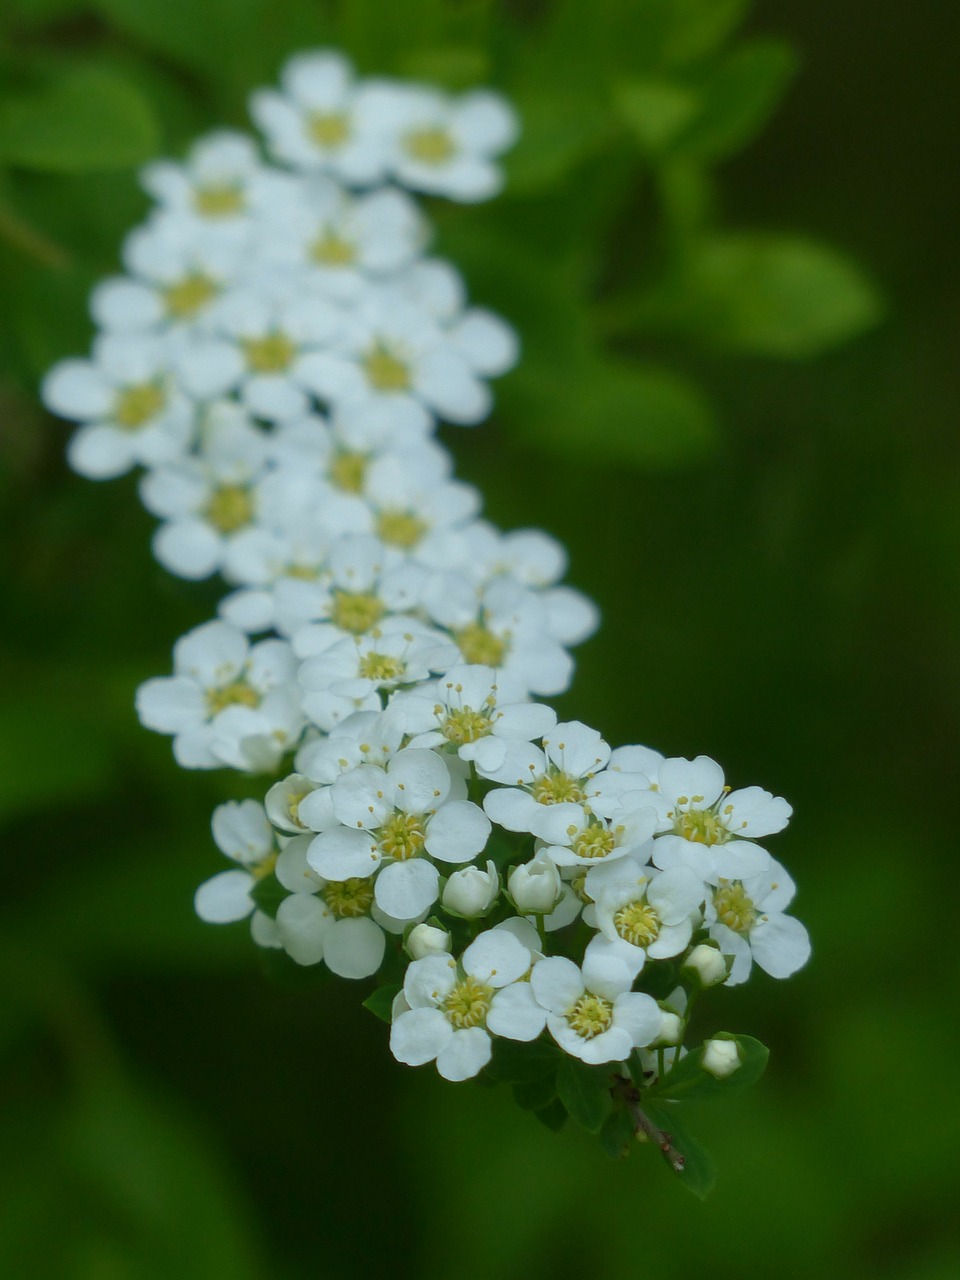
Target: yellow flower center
[271, 354]
[402, 836]
[135, 406]
[356, 612]
[638, 923]
[466, 725]
[348, 471]
[400, 529]
[591, 1016]
[477, 644]
[381, 666]
[230, 508]
[218, 202]
[187, 296]
[702, 826]
[734, 908]
[328, 128]
[331, 250]
[466, 1005]
[265, 866]
[349, 898]
[385, 371]
[594, 842]
[557, 788]
[305, 572]
[430, 146]
[579, 886]
[236, 694]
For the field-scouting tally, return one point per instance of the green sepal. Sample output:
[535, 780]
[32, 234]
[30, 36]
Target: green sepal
[585, 1092]
[698, 1173]
[380, 1002]
[268, 893]
[554, 1116]
[687, 1081]
[617, 1134]
[535, 1094]
[516, 1062]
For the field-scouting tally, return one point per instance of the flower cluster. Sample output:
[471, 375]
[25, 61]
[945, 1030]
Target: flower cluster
[276, 359]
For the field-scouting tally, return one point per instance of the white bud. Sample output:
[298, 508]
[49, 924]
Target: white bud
[708, 964]
[426, 940]
[720, 1057]
[535, 886]
[471, 892]
[671, 1028]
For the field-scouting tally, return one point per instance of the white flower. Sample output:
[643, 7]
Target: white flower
[535, 886]
[720, 1057]
[642, 913]
[398, 817]
[222, 182]
[445, 145]
[746, 919]
[426, 940]
[242, 832]
[227, 703]
[128, 403]
[471, 892]
[708, 827]
[451, 1008]
[592, 1013]
[320, 121]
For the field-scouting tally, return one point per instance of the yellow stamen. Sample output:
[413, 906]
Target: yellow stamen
[638, 923]
[349, 898]
[218, 202]
[466, 1005]
[271, 354]
[402, 837]
[430, 146]
[328, 129]
[189, 295]
[477, 644]
[356, 612]
[386, 371]
[591, 1016]
[230, 508]
[734, 908]
[400, 529]
[135, 406]
[236, 694]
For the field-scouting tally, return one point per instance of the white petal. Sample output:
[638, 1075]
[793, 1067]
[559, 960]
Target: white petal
[496, 958]
[225, 898]
[405, 890]
[780, 945]
[421, 780]
[557, 984]
[354, 948]
[458, 832]
[465, 1053]
[639, 1015]
[419, 1035]
[303, 921]
[514, 1013]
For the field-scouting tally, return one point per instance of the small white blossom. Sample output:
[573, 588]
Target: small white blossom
[591, 1012]
[746, 919]
[242, 832]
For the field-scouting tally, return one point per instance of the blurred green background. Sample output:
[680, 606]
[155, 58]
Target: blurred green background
[728, 242]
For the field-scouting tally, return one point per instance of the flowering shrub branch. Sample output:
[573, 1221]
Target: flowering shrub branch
[535, 905]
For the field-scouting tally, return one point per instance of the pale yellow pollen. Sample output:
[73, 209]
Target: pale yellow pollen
[305, 572]
[579, 886]
[385, 370]
[637, 922]
[467, 1003]
[702, 826]
[218, 201]
[430, 146]
[328, 128]
[734, 908]
[188, 295]
[591, 1016]
[356, 612]
[466, 725]
[270, 354]
[557, 788]
[478, 644]
[348, 471]
[402, 836]
[349, 898]
[265, 866]
[230, 508]
[381, 666]
[236, 694]
[331, 250]
[135, 406]
[594, 842]
[400, 528]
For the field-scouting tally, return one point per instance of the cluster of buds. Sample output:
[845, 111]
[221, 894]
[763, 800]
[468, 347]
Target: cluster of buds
[276, 359]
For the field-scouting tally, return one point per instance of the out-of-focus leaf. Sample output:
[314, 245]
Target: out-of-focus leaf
[536, 1094]
[452, 66]
[48, 753]
[558, 131]
[773, 295]
[655, 110]
[737, 99]
[88, 120]
[667, 33]
[698, 1174]
[611, 410]
[205, 35]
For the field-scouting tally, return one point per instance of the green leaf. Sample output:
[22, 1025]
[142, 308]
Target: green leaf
[738, 98]
[517, 1062]
[452, 66]
[380, 1002]
[771, 295]
[698, 1174]
[689, 1082]
[617, 1135]
[89, 120]
[554, 1116]
[615, 411]
[211, 34]
[655, 110]
[268, 893]
[558, 132]
[585, 1092]
[535, 1094]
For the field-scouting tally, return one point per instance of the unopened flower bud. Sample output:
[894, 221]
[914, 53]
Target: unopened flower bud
[671, 1028]
[720, 1057]
[535, 886]
[426, 940]
[707, 964]
[472, 892]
